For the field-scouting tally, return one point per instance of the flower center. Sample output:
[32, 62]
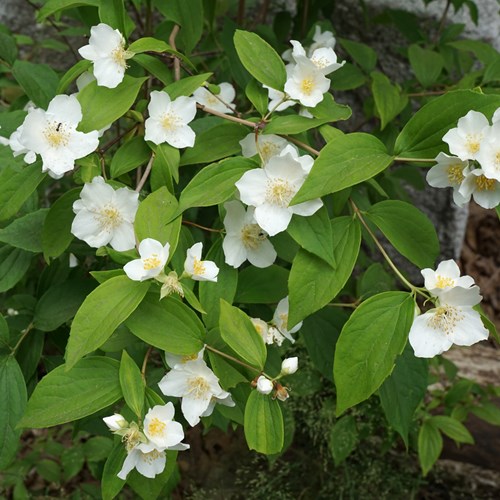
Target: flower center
[57, 134]
[156, 427]
[132, 439]
[198, 387]
[211, 99]
[120, 56]
[268, 149]
[484, 184]
[170, 121]
[284, 321]
[473, 143]
[198, 267]
[307, 86]
[109, 217]
[171, 284]
[151, 262]
[252, 236]
[151, 456]
[445, 319]
[320, 62]
[279, 192]
[455, 174]
[188, 357]
[444, 281]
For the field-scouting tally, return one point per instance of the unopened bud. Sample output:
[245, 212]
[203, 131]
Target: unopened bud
[264, 385]
[289, 366]
[115, 422]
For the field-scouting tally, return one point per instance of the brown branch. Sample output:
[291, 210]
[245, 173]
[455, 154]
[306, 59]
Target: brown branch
[177, 64]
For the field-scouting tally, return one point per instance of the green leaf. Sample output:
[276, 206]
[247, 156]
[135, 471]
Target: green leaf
[101, 313]
[111, 484]
[132, 384]
[348, 77]
[408, 229]
[312, 282]
[39, 81]
[186, 86]
[72, 74]
[361, 53]
[430, 445]
[346, 161]
[343, 438]
[13, 390]
[215, 143]
[60, 303]
[8, 48]
[214, 184]
[102, 106]
[24, 232]
[17, 186]
[155, 67]
[260, 59]
[165, 167]
[72, 460]
[257, 95]
[65, 395]
[422, 136]
[314, 234]
[452, 428]
[224, 288]
[389, 101]
[241, 336]
[14, 263]
[153, 219]
[168, 325]
[188, 15]
[149, 44]
[258, 286]
[56, 231]
[403, 391]
[264, 430]
[4, 332]
[112, 13]
[426, 64]
[130, 155]
[368, 345]
[488, 412]
[52, 6]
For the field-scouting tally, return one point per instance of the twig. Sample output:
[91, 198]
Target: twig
[120, 136]
[414, 160]
[429, 92]
[227, 117]
[23, 336]
[146, 173]
[145, 363]
[177, 64]
[189, 223]
[301, 144]
[241, 12]
[242, 363]
[442, 21]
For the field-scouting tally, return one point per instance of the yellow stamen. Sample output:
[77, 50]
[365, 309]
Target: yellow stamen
[57, 135]
[170, 121]
[484, 184]
[443, 281]
[279, 192]
[198, 387]
[445, 319]
[151, 456]
[198, 267]
[252, 236]
[151, 262]
[156, 427]
[284, 321]
[307, 86]
[455, 174]
[320, 62]
[473, 143]
[109, 217]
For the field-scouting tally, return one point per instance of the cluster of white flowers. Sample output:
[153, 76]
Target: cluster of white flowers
[306, 72]
[146, 447]
[453, 320]
[192, 380]
[473, 170]
[277, 331]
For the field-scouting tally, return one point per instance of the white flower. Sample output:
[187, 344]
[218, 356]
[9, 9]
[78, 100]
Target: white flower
[146, 459]
[115, 422]
[264, 385]
[306, 83]
[168, 120]
[104, 215]
[465, 140]
[161, 430]
[323, 58]
[489, 155]
[217, 102]
[280, 319]
[271, 188]
[496, 116]
[277, 99]
[197, 269]
[275, 337]
[322, 39]
[154, 256]
[289, 366]
[175, 361]
[262, 329]
[266, 145]
[486, 192]
[196, 384]
[226, 401]
[445, 277]
[450, 171]
[106, 49]
[244, 238]
[453, 321]
[52, 134]
[18, 148]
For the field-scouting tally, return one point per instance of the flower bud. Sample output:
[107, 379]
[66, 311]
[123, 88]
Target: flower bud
[289, 366]
[115, 422]
[264, 385]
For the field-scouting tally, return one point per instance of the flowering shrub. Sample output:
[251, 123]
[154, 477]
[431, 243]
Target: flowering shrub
[228, 222]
